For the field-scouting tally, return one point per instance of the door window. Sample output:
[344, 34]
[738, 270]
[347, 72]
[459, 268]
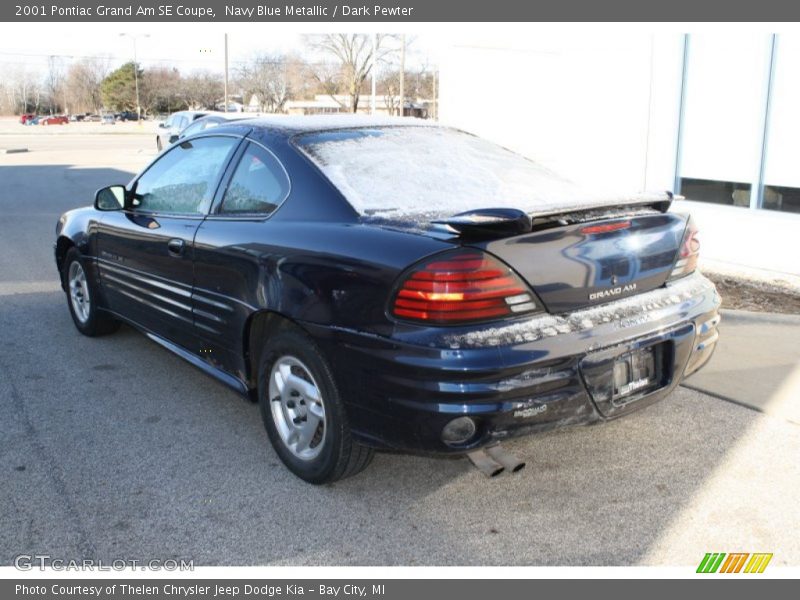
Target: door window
[182, 180]
[259, 185]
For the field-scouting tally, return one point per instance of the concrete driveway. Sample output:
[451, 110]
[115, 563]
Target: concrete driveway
[114, 448]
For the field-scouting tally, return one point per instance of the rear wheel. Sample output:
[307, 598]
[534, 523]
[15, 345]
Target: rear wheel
[82, 298]
[303, 413]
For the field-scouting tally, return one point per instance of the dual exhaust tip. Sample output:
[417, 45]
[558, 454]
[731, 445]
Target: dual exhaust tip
[494, 460]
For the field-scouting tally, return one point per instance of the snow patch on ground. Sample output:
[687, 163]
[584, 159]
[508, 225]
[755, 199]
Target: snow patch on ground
[760, 277]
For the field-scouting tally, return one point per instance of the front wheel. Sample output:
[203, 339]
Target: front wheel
[159, 146]
[303, 413]
[82, 298]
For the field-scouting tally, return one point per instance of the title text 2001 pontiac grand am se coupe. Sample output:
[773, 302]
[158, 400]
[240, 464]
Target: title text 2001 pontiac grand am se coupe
[392, 285]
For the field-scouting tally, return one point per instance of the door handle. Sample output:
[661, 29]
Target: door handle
[175, 247]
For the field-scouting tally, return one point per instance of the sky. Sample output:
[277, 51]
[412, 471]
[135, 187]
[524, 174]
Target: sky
[192, 47]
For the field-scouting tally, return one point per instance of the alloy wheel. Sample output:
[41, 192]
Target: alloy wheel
[79, 291]
[297, 407]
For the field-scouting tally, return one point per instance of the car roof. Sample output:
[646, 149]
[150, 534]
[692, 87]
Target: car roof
[292, 124]
[190, 112]
[222, 117]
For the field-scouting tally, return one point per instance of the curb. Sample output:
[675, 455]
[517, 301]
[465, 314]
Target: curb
[12, 150]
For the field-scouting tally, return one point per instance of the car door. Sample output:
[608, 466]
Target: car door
[146, 251]
[233, 263]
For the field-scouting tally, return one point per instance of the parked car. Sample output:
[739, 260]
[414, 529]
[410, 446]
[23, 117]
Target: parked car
[375, 285]
[128, 115]
[209, 121]
[77, 118]
[169, 130]
[23, 119]
[92, 118]
[108, 120]
[54, 120]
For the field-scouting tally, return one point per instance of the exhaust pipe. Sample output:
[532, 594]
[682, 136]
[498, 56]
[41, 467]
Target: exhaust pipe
[507, 460]
[485, 463]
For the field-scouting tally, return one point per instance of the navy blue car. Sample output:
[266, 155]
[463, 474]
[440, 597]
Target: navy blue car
[392, 285]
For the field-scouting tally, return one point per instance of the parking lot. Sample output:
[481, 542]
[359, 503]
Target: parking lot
[114, 448]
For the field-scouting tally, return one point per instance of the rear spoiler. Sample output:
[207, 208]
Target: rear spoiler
[513, 221]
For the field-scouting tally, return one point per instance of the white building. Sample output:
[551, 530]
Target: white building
[714, 117]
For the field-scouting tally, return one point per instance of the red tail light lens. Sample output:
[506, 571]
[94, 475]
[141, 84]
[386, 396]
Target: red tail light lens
[689, 252]
[461, 287]
[606, 227]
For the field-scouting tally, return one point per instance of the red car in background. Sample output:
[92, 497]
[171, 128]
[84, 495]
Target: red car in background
[26, 117]
[54, 120]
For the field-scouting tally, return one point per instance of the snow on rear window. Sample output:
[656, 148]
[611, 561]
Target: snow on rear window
[411, 170]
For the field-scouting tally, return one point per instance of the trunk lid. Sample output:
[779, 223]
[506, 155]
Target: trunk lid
[574, 265]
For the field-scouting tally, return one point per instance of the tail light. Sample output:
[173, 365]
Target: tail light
[462, 286]
[689, 252]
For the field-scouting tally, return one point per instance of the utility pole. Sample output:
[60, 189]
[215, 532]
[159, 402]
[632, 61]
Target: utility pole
[402, 112]
[374, 73]
[136, 72]
[226, 73]
[435, 104]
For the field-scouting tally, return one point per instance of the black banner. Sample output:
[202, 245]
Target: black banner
[409, 11]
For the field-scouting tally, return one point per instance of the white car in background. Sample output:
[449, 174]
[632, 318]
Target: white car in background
[169, 130]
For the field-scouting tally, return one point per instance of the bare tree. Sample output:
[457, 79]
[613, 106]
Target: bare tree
[268, 78]
[161, 89]
[53, 84]
[389, 85]
[23, 90]
[82, 83]
[354, 54]
[203, 90]
[327, 78]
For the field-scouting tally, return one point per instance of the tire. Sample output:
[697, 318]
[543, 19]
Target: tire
[309, 402]
[159, 146]
[82, 297]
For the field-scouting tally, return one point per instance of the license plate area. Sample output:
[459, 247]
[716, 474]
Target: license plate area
[636, 373]
[619, 379]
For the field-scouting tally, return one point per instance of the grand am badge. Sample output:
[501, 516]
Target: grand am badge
[611, 292]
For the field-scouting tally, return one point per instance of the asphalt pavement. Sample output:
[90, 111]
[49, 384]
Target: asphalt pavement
[114, 448]
[756, 364]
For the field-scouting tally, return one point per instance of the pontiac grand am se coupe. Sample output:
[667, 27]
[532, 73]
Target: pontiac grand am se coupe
[390, 284]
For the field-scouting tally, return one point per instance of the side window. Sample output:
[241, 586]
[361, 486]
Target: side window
[259, 184]
[181, 123]
[180, 181]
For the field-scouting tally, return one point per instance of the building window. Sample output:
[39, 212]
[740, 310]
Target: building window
[717, 192]
[786, 199]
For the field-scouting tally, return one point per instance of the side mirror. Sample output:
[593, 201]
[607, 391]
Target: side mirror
[173, 139]
[110, 198]
[162, 125]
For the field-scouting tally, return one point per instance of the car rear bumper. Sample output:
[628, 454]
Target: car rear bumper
[532, 375]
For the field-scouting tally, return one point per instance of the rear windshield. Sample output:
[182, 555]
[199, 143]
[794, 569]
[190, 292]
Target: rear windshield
[397, 170]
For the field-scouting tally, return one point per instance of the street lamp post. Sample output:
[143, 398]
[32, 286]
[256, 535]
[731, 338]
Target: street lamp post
[136, 71]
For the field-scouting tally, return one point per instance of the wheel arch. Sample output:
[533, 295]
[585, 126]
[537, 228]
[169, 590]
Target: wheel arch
[63, 245]
[259, 327]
